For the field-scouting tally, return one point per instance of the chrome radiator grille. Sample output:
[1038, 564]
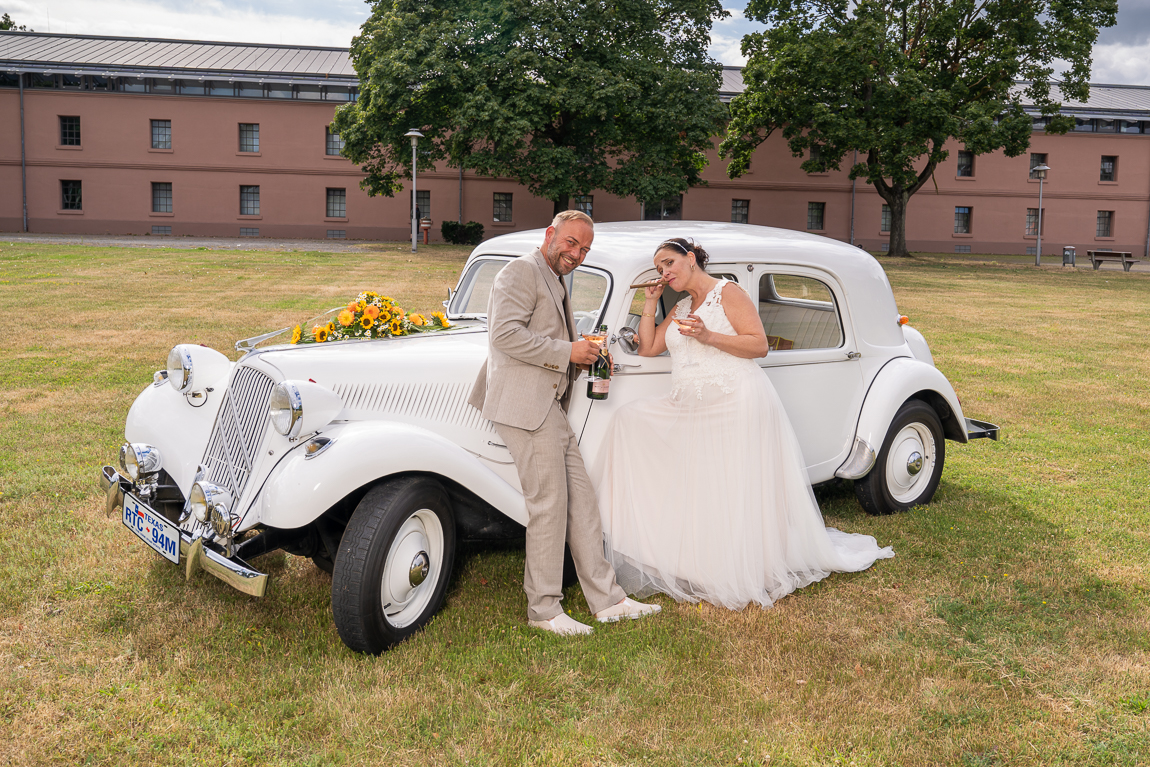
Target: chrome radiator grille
[239, 431]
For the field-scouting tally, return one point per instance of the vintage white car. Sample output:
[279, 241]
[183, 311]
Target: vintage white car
[365, 456]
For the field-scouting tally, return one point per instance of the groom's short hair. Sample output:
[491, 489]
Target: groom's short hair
[572, 215]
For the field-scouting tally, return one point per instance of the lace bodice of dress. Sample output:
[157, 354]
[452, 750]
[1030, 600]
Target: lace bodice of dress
[695, 364]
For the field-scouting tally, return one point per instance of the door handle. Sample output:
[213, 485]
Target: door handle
[853, 355]
[618, 367]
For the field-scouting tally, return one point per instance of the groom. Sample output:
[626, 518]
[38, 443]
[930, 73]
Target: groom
[525, 388]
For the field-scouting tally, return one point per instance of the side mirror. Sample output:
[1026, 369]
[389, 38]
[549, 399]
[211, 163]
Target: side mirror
[626, 339]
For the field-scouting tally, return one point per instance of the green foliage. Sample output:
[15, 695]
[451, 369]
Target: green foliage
[564, 96]
[455, 233]
[896, 80]
[6, 22]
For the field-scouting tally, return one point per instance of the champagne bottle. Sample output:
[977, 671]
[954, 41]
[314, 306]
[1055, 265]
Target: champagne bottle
[599, 376]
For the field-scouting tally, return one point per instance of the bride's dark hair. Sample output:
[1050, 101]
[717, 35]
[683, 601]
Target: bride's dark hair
[687, 248]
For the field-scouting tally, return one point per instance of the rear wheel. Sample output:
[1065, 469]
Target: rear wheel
[909, 464]
[394, 563]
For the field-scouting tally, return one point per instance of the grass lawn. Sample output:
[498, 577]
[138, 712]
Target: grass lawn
[1011, 629]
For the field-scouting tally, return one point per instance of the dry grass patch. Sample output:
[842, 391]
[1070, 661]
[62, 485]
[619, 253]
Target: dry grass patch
[1010, 629]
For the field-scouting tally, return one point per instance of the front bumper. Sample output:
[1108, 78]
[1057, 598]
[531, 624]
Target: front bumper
[195, 554]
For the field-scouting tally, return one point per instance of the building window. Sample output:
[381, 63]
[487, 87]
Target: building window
[334, 144]
[962, 219]
[965, 163]
[249, 137]
[161, 134]
[162, 197]
[161, 230]
[816, 213]
[1032, 222]
[69, 131]
[740, 211]
[670, 209]
[246, 232]
[249, 200]
[1036, 160]
[816, 154]
[583, 203]
[336, 203]
[337, 234]
[1109, 170]
[71, 197]
[884, 223]
[423, 204]
[1105, 126]
[1083, 125]
[502, 206]
[1105, 223]
[1129, 126]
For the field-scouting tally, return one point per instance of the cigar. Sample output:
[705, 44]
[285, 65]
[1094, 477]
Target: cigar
[650, 284]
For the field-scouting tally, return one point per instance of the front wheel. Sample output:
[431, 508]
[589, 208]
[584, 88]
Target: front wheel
[909, 464]
[394, 563]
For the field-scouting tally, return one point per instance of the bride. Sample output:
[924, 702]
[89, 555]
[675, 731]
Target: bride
[703, 492]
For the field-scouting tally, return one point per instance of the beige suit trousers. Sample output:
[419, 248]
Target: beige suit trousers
[561, 508]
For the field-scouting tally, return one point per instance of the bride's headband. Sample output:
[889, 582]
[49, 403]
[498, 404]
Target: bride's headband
[675, 244]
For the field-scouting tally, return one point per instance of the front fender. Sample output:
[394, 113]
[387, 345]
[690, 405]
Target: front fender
[901, 379]
[300, 489]
[163, 417]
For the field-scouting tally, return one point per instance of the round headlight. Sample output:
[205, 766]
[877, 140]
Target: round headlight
[221, 520]
[180, 369]
[198, 503]
[285, 409]
[206, 500]
[139, 460]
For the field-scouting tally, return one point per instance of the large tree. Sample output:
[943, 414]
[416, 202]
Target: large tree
[564, 96]
[896, 79]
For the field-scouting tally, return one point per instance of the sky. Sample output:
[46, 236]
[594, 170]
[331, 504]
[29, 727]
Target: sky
[1122, 55]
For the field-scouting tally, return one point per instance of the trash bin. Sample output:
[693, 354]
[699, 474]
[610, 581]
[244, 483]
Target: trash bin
[1068, 255]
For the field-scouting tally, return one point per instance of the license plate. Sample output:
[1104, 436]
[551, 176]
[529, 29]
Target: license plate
[152, 528]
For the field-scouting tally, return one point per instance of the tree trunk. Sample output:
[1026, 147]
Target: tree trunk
[561, 204]
[897, 202]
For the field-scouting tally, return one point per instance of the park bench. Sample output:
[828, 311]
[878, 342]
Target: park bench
[1118, 257]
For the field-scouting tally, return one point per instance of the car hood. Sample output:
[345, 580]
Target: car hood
[440, 357]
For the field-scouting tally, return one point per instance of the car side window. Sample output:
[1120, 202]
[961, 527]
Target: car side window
[475, 289]
[588, 291]
[798, 313]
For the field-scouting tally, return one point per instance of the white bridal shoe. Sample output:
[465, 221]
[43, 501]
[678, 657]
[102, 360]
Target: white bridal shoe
[628, 608]
[562, 624]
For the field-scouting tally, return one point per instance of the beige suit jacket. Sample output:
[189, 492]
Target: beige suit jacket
[529, 337]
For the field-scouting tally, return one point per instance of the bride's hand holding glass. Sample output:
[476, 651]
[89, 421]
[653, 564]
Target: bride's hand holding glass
[693, 327]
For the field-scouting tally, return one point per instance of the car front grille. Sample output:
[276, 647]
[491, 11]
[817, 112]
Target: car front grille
[239, 431]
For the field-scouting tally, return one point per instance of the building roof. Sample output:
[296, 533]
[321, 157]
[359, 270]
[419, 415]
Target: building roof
[151, 57]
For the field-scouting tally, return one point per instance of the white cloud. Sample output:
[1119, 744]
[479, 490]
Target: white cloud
[201, 20]
[1121, 64]
[727, 38]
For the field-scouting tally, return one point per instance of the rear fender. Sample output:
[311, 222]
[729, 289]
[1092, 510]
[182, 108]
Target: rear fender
[300, 489]
[899, 380]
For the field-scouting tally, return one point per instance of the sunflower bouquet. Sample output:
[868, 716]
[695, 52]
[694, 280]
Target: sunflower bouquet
[370, 315]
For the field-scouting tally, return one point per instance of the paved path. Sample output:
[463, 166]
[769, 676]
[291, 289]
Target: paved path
[190, 243]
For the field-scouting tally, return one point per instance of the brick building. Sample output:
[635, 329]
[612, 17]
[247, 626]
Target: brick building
[140, 136]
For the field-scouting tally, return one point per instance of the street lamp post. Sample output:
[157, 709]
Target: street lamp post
[1040, 171]
[415, 136]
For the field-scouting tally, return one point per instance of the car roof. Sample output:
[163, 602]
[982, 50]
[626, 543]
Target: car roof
[628, 247]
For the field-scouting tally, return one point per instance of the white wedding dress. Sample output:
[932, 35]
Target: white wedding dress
[704, 494]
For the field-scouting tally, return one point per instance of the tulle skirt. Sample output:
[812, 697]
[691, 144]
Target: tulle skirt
[704, 496]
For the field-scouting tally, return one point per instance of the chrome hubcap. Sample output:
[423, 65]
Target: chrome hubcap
[910, 463]
[420, 566]
[412, 569]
